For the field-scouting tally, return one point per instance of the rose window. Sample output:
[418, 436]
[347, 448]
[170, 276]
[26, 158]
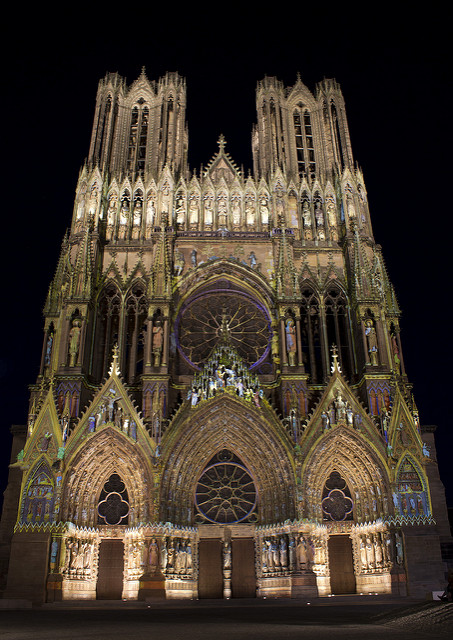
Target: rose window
[223, 315]
[225, 492]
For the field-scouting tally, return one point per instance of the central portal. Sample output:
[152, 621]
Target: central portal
[239, 576]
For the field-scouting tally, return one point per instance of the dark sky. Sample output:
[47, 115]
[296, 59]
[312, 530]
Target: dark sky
[393, 74]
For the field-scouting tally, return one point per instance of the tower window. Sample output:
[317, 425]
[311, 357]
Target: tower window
[138, 135]
[305, 150]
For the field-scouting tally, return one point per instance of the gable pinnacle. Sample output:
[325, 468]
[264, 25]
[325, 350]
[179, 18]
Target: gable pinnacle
[222, 143]
[114, 367]
[335, 363]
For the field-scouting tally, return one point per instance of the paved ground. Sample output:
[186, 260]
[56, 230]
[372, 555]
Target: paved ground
[369, 618]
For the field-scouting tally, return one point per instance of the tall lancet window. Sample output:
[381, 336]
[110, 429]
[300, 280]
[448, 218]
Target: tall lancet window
[138, 134]
[305, 149]
[337, 135]
[103, 129]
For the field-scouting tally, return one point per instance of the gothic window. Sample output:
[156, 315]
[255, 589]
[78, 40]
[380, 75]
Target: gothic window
[223, 313]
[136, 314]
[225, 492]
[102, 129]
[336, 502]
[305, 150]
[337, 134]
[138, 134]
[107, 330]
[311, 335]
[113, 505]
[337, 322]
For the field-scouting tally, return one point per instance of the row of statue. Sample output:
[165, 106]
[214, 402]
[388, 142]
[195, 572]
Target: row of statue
[78, 557]
[225, 371]
[289, 553]
[129, 213]
[410, 503]
[375, 552]
[111, 411]
[338, 411]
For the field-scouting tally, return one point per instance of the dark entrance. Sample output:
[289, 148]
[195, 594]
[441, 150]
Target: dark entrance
[110, 570]
[243, 580]
[342, 578]
[210, 576]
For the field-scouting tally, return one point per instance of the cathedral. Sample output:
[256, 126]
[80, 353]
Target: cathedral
[222, 408]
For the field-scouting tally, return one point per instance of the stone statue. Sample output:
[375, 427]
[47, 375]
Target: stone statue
[363, 558]
[319, 215]
[264, 211]
[226, 555]
[193, 212]
[340, 407]
[179, 263]
[306, 214]
[74, 340]
[180, 213]
[153, 555]
[48, 349]
[158, 339]
[208, 215]
[283, 552]
[291, 345]
[150, 211]
[301, 553]
[370, 333]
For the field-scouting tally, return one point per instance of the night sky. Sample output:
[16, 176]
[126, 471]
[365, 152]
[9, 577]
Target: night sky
[393, 74]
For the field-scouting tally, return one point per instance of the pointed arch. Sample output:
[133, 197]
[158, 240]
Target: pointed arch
[345, 452]
[227, 423]
[108, 327]
[338, 324]
[105, 453]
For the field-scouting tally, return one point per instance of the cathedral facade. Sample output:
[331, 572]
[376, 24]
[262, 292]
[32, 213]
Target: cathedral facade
[222, 408]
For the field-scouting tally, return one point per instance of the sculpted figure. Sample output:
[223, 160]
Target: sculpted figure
[363, 558]
[180, 213]
[208, 215]
[370, 553]
[340, 406]
[193, 212]
[111, 211]
[302, 553]
[306, 214]
[370, 333]
[319, 215]
[150, 211]
[264, 211]
[226, 555]
[153, 555]
[74, 340]
[283, 552]
[158, 338]
[291, 342]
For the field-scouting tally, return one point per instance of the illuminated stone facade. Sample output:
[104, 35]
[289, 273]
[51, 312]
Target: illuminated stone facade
[222, 408]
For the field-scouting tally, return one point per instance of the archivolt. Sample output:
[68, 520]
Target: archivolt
[344, 451]
[105, 453]
[225, 423]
